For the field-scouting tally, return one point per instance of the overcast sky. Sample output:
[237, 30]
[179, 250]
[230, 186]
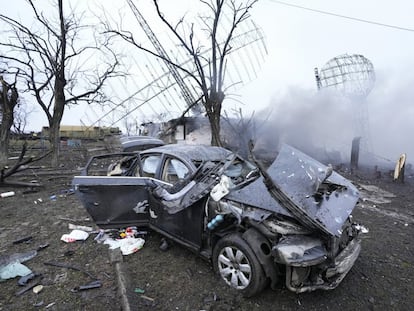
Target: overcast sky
[298, 40]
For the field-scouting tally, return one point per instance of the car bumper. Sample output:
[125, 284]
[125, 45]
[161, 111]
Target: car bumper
[331, 276]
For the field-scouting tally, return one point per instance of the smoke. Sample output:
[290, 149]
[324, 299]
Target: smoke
[323, 124]
[317, 123]
[391, 111]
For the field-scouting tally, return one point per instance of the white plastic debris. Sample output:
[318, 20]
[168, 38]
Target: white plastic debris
[78, 227]
[222, 189]
[37, 289]
[7, 194]
[75, 235]
[361, 228]
[128, 245]
[11, 265]
[12, 270]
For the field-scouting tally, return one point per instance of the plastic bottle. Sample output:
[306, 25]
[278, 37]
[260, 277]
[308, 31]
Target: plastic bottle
[215, 222]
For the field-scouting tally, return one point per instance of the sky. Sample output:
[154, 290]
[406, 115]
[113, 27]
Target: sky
[297, 41]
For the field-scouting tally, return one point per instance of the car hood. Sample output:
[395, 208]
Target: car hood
[305, 188]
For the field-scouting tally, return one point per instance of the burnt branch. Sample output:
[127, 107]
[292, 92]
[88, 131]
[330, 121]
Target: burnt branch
[5, 173]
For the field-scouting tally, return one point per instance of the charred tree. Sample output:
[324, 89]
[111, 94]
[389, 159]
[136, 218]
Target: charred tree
[54, 65]
[208, 64]
[8, 101]
[19, 166]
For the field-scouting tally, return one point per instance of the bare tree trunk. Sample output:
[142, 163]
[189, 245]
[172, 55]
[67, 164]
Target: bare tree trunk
[54, 122]
[54, 143]
[6, 123]
[8, 102]
[214, 114]
[215, 130]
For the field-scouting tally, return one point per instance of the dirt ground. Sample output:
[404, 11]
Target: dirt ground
[176, 279]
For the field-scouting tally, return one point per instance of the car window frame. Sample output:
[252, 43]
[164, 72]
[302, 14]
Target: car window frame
[163, 168]
[143, 157]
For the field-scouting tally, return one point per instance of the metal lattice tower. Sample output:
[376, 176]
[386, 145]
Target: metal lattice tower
[353, 76]
[185, 91]
[162, 92]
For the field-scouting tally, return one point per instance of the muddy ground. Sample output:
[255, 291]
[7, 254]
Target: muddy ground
[176, 279]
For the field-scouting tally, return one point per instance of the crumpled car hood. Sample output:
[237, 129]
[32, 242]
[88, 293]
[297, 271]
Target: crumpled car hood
[324, 198]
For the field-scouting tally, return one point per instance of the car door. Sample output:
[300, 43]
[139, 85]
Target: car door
[186, 225]
[113, 191]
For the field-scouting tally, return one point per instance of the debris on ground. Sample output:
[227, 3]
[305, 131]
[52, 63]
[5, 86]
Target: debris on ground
[128, 240]
[128, 245]
[68, 266]
[11, 265]
[7, 194]
[79, 227]
[91, 285]
[75, 235]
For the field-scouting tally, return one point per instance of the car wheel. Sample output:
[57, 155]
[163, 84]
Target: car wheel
[237, 265]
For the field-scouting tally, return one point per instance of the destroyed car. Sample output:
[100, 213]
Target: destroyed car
[291, 222]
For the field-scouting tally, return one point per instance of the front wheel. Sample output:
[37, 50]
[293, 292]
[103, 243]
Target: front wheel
[238, 266]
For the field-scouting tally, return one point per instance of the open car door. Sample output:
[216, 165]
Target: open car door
[113, 192]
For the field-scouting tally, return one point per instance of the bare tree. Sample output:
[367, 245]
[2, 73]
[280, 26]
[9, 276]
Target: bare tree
[21, 117]
[9, 97]
[208, 62]
[54, 62]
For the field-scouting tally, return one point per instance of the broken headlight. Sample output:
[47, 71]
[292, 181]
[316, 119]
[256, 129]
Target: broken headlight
[299, 251]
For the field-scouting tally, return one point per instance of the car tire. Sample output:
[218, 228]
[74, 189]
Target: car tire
[237, 265]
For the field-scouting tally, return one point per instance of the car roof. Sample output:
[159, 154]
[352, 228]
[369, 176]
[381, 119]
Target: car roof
[140, 142]
[136, 137]
[192, 152]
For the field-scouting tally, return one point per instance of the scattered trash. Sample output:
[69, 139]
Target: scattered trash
[94, 284]
[147, 298]
[67, 266]
[128, 245]
[10, 265]
[26, 239]
[25, 279]
[38, 201]
[78, 227]
[65, 193]
[53, 197]
[139, 290]
[75, 235]
[131, 232]
[361, 228]
[50, 305]
[12, 270]
[27, 288]
[37, 289]
[101, 236]
[7, 194]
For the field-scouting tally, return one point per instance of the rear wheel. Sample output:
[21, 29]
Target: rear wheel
[238, 266]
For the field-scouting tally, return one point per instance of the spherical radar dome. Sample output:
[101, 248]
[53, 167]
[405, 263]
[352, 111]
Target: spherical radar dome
[353, 75]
